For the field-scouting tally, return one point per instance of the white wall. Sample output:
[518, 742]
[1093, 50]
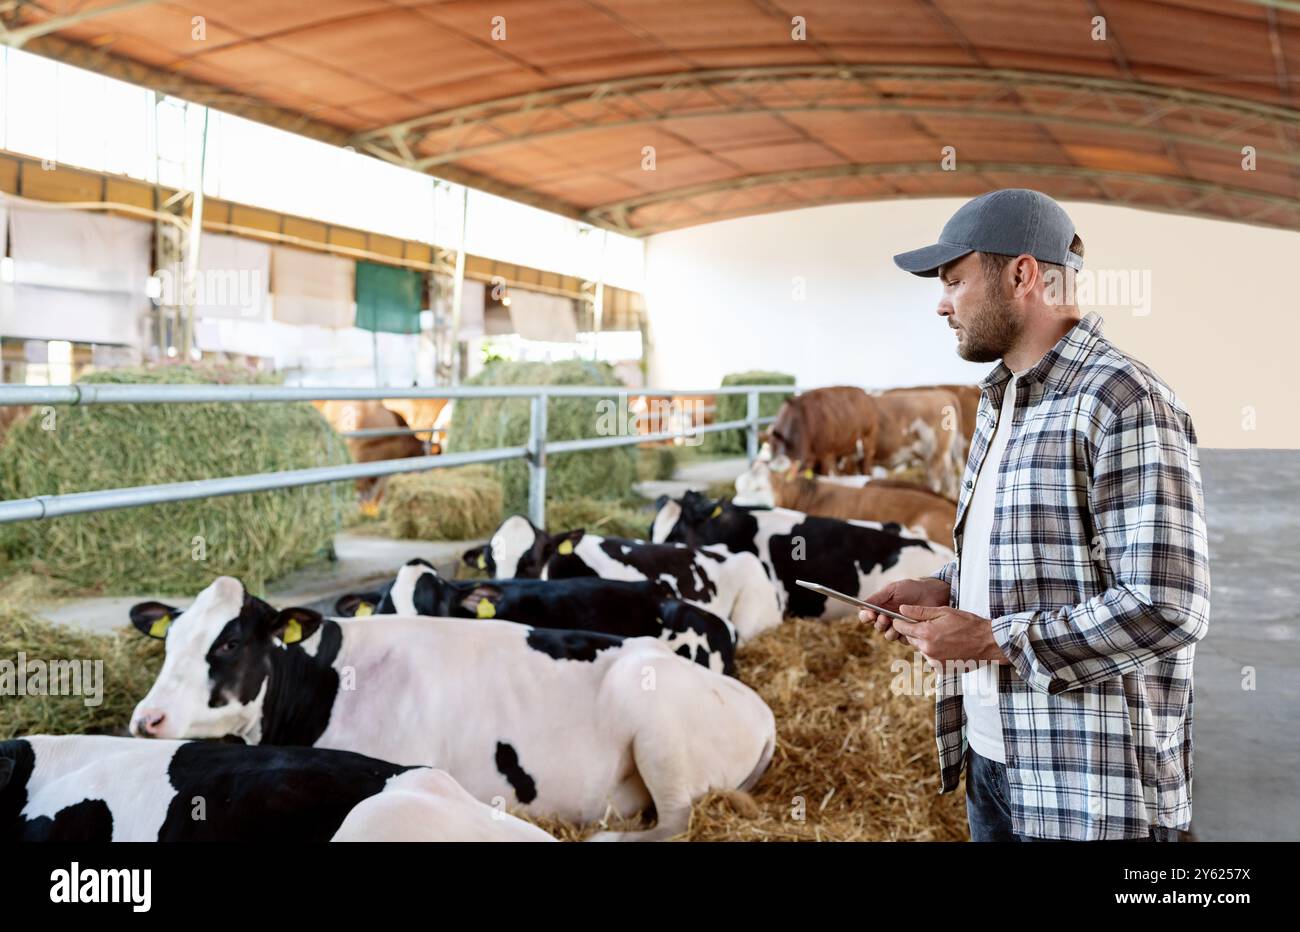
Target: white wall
[1222, 328]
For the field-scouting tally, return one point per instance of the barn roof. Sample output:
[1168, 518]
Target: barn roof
[744, 118]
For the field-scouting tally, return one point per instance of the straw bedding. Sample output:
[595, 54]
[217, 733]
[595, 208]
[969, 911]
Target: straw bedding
[855, 760]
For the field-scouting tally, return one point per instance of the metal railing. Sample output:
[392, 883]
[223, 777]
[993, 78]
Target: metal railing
[534, 452]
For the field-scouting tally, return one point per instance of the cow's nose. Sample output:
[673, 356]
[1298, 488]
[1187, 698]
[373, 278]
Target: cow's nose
[149, 723]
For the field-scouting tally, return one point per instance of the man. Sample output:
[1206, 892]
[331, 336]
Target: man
[1064, 629]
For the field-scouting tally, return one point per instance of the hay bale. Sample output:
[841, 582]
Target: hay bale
[175, 548]
[735, 407]
[853, 755]
[130, 665]
[657, 462]
[443, 504]
[609, 519]
[480, 424]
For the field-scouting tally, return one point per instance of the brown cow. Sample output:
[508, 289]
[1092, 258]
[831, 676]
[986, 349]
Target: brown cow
[830, 430]
[968, 400]
[844, 430]
[875, 500]
[922, 425]
[347, 416]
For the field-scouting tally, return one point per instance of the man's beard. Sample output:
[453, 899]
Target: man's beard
[992, 331]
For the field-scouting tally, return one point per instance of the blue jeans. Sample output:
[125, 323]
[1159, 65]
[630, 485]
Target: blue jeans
[988, 804]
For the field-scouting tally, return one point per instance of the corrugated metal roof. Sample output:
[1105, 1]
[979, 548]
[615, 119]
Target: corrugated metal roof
[741, 116]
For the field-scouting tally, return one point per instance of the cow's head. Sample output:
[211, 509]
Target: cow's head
[384, 601]
[786, 435]
[214, 676]
[685, 520]
[518, 549]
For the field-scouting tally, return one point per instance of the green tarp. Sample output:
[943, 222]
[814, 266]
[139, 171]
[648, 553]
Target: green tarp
[388, 298]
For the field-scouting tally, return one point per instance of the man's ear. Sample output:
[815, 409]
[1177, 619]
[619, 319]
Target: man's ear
[357, 604]
[564, 544]
[292, 625]
[482, 602]
[153, 618]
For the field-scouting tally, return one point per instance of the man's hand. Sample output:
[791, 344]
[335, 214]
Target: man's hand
[927, 591]
[943, 633]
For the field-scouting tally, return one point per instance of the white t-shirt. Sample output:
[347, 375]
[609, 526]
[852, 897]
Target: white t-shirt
[980, 686]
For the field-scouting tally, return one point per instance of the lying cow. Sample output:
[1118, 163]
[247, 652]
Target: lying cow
[94, 788]
[853, 557]
[558, 721]
[623, 609]
[732, 585]
[884, 500]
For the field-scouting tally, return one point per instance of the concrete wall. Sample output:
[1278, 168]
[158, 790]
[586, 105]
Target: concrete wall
[814, 292]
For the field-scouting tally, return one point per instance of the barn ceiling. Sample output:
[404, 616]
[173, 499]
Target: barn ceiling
[739, 114]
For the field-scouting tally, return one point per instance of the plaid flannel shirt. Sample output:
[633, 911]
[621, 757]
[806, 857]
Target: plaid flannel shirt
[1099, 587]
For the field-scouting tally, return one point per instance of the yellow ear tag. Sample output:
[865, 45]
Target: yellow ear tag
[717, 510]
[808, 473]
[482, 562]
[566, 547]
[363, 609]
[159, 628]
[486, 609]
[292, 632]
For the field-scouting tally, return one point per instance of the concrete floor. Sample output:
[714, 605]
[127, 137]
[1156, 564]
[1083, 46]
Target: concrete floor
[1247, 742]
[363, 562]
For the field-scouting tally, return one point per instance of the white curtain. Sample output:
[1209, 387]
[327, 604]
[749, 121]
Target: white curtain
[78, 276]
[472, 296]
[234, 279]
[311, 288]
[543, 317]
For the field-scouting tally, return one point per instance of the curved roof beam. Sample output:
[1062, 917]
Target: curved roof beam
[478, 115]
[620, 213]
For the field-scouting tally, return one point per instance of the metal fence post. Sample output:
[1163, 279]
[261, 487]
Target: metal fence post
[537, 461]
[751, 426]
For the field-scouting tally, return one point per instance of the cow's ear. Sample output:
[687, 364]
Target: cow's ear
[153, 618]
[476, 557]
[482, 602]
[357, 604]
[292, 625]
[660, 502]
[6, 771]
[421, 561]
[566, 542]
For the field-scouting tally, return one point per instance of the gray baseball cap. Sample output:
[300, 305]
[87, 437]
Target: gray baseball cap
[1009, 222]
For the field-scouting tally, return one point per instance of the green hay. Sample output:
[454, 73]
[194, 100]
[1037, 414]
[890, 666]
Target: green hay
[722, 488]
[735, 407]
[155, 548]
[443, 504]
[659, 462]
[480, 424]
[130, 665]
[609, 519]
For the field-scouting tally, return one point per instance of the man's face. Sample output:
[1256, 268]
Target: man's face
[979, 308]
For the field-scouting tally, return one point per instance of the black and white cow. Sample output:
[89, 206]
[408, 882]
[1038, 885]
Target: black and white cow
[730, 584]
[607, 606]
[566, 723]
[853, 557]
[93, 788]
